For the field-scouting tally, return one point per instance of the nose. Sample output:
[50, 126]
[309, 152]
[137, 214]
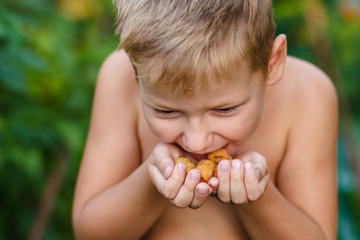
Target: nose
[197, 137]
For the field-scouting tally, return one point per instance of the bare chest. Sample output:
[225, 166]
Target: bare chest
[213, 220]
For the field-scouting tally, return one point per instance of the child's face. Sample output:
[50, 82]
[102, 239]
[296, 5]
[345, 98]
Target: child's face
[225, 115]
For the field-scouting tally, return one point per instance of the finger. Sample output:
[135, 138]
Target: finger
[237, 187]
[163, 157]
[166, 166]
[202, 191]
[186, 193]
[259, 162]
[224, 181]
[264, 182]
[251, 156]
[261, 170]
[175, 181]
[156, 177]
[253, 189]
[213, 183]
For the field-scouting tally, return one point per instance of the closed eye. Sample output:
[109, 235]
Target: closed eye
[164, 113]
[227, 111]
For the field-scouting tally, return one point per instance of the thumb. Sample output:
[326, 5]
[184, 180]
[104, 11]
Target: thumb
[163, 157]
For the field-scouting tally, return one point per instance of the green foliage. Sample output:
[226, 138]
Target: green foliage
[346, 38]
[50, 53]
[48, 67]
[290, 21]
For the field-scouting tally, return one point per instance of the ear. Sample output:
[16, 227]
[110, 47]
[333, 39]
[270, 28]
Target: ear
[278, 59]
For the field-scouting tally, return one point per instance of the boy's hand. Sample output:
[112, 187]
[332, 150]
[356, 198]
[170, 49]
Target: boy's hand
[244, 179]
[171, 180]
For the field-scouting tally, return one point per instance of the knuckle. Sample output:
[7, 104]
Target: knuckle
[240, 201]
[169, 192]
[178, 204]
[250, 155]
[169, 195]
[255, 156]
[224, 199]
[262, 166]
[254, 196]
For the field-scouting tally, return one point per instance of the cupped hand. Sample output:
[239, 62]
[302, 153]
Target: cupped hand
[244, 179]
[181, 189]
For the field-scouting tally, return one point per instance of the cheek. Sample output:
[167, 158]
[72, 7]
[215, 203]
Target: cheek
[241, 127]
[163, 129]
[253, 122]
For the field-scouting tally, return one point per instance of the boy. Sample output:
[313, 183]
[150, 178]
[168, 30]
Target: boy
[192, 77]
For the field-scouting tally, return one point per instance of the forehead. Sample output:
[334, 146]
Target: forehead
[218, 93]
[193, 81]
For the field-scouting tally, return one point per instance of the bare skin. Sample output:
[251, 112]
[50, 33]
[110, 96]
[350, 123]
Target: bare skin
[126, 191]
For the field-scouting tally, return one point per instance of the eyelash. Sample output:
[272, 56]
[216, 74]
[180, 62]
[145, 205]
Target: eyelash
[227, 111]
[170, 113]
[165, 113]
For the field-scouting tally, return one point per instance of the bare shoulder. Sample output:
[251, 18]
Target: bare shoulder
[118, 72]
[304, 92]
[116, 97]
[307, 83]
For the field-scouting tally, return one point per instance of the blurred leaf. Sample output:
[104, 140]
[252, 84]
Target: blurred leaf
[48, 67]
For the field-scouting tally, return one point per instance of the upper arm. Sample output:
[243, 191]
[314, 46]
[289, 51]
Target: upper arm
[112, 149]
[307, 175]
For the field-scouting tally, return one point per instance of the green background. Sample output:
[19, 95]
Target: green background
[50, 54]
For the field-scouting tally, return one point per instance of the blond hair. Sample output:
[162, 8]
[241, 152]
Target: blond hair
[184, 43]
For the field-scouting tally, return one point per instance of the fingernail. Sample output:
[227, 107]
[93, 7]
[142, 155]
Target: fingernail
[224, 166]
[257, 174]
[181, 166]
[202, 191]
[167, 171]
[213, 182]
[195, 176]
[248, 167]
[236, 165]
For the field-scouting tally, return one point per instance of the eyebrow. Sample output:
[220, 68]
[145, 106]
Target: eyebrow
[155, 101]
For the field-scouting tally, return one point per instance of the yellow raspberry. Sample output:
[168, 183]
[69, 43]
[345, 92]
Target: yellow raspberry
[218, 155]
[189, 164]
[207, 168]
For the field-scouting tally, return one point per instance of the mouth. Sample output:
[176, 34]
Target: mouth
[198, 157]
